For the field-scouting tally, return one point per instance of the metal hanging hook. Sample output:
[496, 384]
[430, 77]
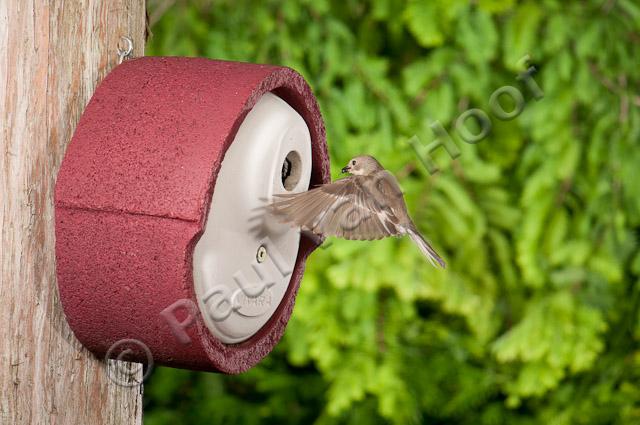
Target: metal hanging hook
[126, 53]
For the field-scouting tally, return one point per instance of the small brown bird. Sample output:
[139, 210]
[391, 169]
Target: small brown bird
[367, 205]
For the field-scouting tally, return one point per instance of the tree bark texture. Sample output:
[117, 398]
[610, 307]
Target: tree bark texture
[52, 56]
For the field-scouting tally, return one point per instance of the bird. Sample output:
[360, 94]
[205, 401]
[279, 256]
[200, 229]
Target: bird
[366, 205]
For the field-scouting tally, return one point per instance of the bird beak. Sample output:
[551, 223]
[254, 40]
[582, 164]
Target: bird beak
[345, 169]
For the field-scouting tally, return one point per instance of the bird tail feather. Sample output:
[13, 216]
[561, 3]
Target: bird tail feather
[425, 248]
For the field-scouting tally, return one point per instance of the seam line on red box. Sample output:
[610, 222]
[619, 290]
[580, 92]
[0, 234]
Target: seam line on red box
[120, 211]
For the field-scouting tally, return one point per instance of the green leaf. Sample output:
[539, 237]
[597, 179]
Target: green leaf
[423, 20]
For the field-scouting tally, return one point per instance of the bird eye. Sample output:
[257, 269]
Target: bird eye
[353, 163]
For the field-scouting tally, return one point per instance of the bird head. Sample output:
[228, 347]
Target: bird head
[362, 166]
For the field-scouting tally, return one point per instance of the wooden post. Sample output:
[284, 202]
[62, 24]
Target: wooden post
[53, 53]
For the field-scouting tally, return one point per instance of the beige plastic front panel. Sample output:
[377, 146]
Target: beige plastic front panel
[239, 284]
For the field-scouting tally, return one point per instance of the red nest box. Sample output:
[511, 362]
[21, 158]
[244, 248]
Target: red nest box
[161, 232]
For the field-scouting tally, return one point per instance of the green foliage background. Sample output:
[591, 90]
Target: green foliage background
[535, 320]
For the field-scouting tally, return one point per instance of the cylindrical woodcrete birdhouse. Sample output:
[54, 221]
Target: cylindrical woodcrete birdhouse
[161, 231]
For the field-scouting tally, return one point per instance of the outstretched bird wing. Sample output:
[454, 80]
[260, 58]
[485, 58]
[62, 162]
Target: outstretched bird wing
[356, 207]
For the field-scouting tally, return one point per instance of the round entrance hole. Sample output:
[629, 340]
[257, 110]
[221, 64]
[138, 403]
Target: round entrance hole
[291, 170]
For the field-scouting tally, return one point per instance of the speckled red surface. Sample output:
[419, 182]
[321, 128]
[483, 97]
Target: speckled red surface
[132, 197]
